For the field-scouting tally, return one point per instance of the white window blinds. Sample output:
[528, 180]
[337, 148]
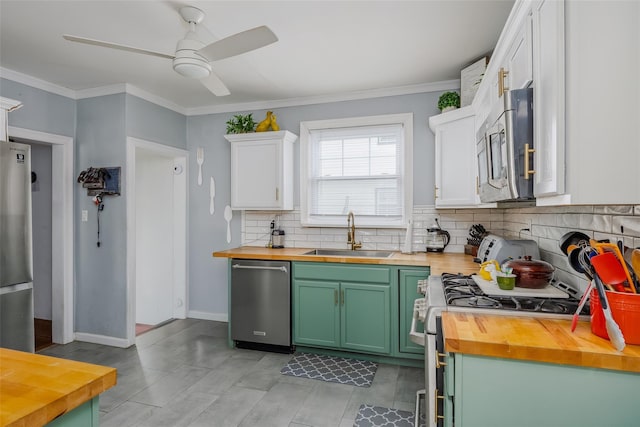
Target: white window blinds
[359, 169]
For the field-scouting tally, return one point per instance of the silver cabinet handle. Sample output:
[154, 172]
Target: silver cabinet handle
[256, 267]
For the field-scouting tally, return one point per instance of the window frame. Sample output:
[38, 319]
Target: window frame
[306, 127]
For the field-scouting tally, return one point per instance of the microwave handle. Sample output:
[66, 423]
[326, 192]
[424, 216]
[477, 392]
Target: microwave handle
[490, 178]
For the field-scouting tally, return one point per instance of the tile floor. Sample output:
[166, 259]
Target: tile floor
[183, 374]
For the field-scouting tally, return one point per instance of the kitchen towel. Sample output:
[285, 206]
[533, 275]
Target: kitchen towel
[369, 416]
[331, 369]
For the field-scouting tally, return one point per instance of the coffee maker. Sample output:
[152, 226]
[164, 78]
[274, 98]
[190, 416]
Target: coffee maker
[437, 239]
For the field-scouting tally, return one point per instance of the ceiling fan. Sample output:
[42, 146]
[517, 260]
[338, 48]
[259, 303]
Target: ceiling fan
[193, 58]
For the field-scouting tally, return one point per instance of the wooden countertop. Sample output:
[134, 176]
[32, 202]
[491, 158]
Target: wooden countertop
[535, 339]
[438, 262]
[36, 389]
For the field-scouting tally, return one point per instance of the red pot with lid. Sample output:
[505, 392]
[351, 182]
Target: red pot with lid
[531, 273]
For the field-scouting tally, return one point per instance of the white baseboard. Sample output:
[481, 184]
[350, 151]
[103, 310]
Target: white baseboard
[203, 315]
[103, 339]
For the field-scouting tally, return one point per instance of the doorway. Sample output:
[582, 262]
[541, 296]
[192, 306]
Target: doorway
[61, 240]
[156, 235]
[41, 199]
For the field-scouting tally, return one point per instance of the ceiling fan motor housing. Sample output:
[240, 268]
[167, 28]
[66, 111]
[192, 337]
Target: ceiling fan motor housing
[187, 61]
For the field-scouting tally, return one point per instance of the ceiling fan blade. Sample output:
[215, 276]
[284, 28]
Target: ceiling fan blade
[215, 85]
[239, 43]
[115, 46]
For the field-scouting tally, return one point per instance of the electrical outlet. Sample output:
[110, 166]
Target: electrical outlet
[85, 215]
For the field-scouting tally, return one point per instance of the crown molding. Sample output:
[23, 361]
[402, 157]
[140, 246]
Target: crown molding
[226, 108]
[25, 79]
[324, 99]
[154, 99]
[101, 91]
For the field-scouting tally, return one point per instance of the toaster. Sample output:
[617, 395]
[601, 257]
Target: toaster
[501, 249]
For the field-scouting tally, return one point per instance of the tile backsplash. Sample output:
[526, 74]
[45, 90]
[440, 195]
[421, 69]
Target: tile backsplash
[255, 229]
[545, 225]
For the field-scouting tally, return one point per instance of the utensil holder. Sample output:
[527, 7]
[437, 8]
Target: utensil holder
[625, 309]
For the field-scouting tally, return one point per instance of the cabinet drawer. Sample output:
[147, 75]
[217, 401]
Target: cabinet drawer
[341, 272]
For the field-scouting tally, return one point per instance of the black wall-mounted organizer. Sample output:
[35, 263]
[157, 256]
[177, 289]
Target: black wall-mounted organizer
[101, 181]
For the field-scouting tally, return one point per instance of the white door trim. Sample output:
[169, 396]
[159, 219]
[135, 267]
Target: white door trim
[62, 182]
[180, 230]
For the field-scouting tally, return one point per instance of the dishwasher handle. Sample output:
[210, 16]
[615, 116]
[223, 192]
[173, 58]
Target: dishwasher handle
[258, 267]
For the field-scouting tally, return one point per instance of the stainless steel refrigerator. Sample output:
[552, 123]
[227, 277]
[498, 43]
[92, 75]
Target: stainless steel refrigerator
[16, 255]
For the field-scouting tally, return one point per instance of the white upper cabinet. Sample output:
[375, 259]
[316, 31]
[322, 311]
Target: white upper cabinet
[512, 63]
[519, 60]
[548, 97]
[455, 159]
[262, 170]
[583, 58]
[588, 102]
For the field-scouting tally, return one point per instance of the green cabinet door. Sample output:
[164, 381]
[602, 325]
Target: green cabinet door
[408, 293]
[316, 313]
[366, 317]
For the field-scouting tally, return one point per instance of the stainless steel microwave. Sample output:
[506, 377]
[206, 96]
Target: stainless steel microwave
[505, 150]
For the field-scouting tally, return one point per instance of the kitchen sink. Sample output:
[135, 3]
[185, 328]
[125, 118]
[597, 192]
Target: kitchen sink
[350, 253]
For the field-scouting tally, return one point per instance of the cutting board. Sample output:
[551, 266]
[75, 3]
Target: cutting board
[491, 288]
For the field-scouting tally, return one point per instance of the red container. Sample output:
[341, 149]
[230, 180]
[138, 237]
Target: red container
[625, 309]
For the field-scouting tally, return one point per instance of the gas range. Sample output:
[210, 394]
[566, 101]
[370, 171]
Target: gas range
[455, 292]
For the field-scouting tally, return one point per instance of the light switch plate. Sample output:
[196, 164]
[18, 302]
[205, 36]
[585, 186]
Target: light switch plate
[85, 215]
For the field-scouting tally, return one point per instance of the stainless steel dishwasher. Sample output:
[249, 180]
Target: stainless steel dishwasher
[261, 304]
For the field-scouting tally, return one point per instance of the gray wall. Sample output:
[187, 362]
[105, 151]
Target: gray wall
[42, 111]
[207, 276]
[103, 125]
[100, 294]
[149, 121]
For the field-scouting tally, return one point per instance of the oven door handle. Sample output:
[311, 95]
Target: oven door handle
[415, 336]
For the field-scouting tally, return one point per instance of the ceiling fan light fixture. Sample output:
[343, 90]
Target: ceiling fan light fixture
[192, 68]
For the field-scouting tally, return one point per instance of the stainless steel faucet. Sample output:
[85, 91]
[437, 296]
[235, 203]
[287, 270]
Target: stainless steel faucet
[351, 233]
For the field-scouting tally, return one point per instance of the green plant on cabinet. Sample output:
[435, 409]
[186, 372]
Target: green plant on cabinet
[241, 124]
[449, 99]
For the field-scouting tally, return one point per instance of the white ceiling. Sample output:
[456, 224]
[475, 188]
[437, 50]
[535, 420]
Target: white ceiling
[325, 47]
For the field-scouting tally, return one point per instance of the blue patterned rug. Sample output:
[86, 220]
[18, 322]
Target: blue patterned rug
[377, 416]
[331, 369]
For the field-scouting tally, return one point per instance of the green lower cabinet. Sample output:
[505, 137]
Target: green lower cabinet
[316, 313]
[365, 317]
[342, 307]
[408, 282]
[505, 392]
[85, 415]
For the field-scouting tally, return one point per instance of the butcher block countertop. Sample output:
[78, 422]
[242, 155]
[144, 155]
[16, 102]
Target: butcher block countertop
[535, 339]
[36, 389]
[438, 262]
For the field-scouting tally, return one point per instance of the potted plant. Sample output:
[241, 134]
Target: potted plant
[448, 101]
[241, 124]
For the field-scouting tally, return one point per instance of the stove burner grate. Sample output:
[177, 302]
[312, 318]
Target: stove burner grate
[462, 291]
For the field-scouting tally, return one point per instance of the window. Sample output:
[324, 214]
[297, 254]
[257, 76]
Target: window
[361, 164]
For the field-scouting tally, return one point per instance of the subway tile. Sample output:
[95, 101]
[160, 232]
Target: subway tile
[456, 217]
[613, 210]
[601, 223]
[630, 224]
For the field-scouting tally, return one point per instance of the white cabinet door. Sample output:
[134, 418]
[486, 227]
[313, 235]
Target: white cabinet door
[255, 174]
[262, 170]
[548, 97]
[455, 159]
[520, 57]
